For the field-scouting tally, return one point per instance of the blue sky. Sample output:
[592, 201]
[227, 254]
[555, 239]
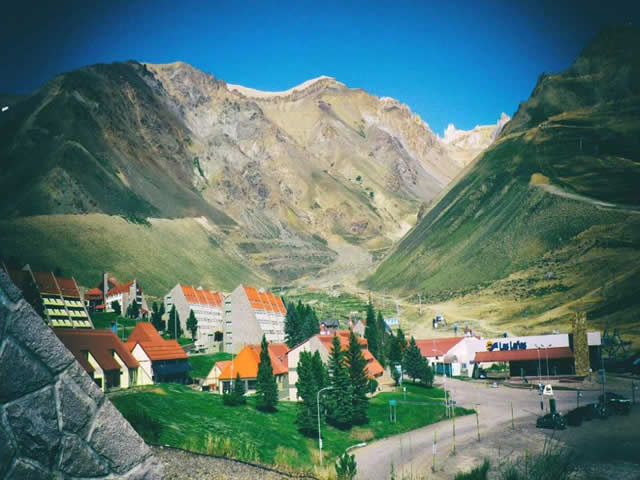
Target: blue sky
[460, 62]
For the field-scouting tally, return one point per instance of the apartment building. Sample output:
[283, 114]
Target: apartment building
[206, 306]
[249, 314]
[125, 294]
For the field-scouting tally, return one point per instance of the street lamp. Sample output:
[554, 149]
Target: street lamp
[319, 434]
[546, 352]
[539, 367]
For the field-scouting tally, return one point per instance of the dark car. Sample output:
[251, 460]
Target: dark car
[554, 421]
[616, 403]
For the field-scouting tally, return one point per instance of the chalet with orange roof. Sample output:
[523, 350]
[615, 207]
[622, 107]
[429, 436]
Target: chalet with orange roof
[452, 355]
[323, 344]
[56, 299]
[103, 356]
[213, 376]
[206, 305]
[246, 365]
[125, 294]
[162, 360]
[251, 313]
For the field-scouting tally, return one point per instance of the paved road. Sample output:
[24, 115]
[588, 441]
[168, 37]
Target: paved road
[411, 452]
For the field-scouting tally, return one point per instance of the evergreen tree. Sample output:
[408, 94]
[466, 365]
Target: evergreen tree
[173, 325]
[413, 360]
[156, 316]
[267, 389]
[371, 331]
[320, 374]
[239, 390]
[383, 339]
[115, 306]
[359, 382]
[339, 398]
[306, 414]
[192, 324]
[292, 326]
[402, 342]
[395, 354]
[426, 373]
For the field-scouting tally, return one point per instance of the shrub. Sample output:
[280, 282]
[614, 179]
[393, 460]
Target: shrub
[477, 473]
[346, 467]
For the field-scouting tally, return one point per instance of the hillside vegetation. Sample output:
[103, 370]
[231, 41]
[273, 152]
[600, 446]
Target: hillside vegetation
[547, 220]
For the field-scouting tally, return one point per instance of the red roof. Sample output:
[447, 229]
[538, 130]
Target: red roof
[440, 345]
[100, 343]
[156, 347]
[68, 287]
[93, 294]
[201, 296]
[520, 355]
[123, 288]
[374, 369]
[247, 361]
[266, 301]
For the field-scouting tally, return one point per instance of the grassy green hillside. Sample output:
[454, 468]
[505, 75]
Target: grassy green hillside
[547, 220]
[159, 254]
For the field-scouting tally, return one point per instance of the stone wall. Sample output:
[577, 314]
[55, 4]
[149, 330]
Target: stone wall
[54, 421]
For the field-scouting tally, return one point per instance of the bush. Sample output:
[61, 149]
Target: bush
[147, 427]
[477, 473]
[346, 467]
[552, 464]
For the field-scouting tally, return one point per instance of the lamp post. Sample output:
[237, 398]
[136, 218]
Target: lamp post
[546, 352]
[319, 433]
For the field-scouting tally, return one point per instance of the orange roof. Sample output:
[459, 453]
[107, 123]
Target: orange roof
[222, 364]
[247, 361]
[520, 355]
[374, 369]
[440, 345]
[123, 288]
[94, 293]
[266, 301]
[46, 283]
[100, 343]
[156, 347]
[201, 296]
[144, 332]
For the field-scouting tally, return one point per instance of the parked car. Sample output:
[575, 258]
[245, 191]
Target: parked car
[554, 421]
[616, 403]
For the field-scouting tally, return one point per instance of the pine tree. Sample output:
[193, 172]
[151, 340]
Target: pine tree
[192, 324]
[320, 374]
[402, 342]
[173, 325]
[413, 360]
[371, 330]
[292, 326]
[383, 339]
[339, 401]
[135, 309]
[156, 316]
[115, 306]
[239, 390]
[426, 373]
[267, 389]
[306, 414]
[359, 382]
[395, 354]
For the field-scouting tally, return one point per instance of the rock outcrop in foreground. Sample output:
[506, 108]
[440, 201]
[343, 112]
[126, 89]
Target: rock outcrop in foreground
[54, 421]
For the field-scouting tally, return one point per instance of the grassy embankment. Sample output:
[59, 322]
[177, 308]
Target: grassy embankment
[199, 422]
[202, 363]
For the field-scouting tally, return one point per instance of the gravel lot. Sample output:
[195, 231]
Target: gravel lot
[188, 466]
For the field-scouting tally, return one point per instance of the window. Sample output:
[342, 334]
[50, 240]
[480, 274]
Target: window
[252, 384]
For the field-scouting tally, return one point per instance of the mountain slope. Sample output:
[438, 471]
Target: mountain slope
[291, 183]
[522, 233]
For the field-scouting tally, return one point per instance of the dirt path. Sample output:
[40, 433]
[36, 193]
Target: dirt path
[411, 453]
[555, 190]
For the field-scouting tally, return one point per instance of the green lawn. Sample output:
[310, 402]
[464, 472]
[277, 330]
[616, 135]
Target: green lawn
[103, 320]
[199, 422]
[202, 363]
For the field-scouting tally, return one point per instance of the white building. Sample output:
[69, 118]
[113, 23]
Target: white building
[125, 294]
[205, 304]
[249, 314]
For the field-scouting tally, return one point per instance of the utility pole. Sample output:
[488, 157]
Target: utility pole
[420, 303]
[319, 434]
